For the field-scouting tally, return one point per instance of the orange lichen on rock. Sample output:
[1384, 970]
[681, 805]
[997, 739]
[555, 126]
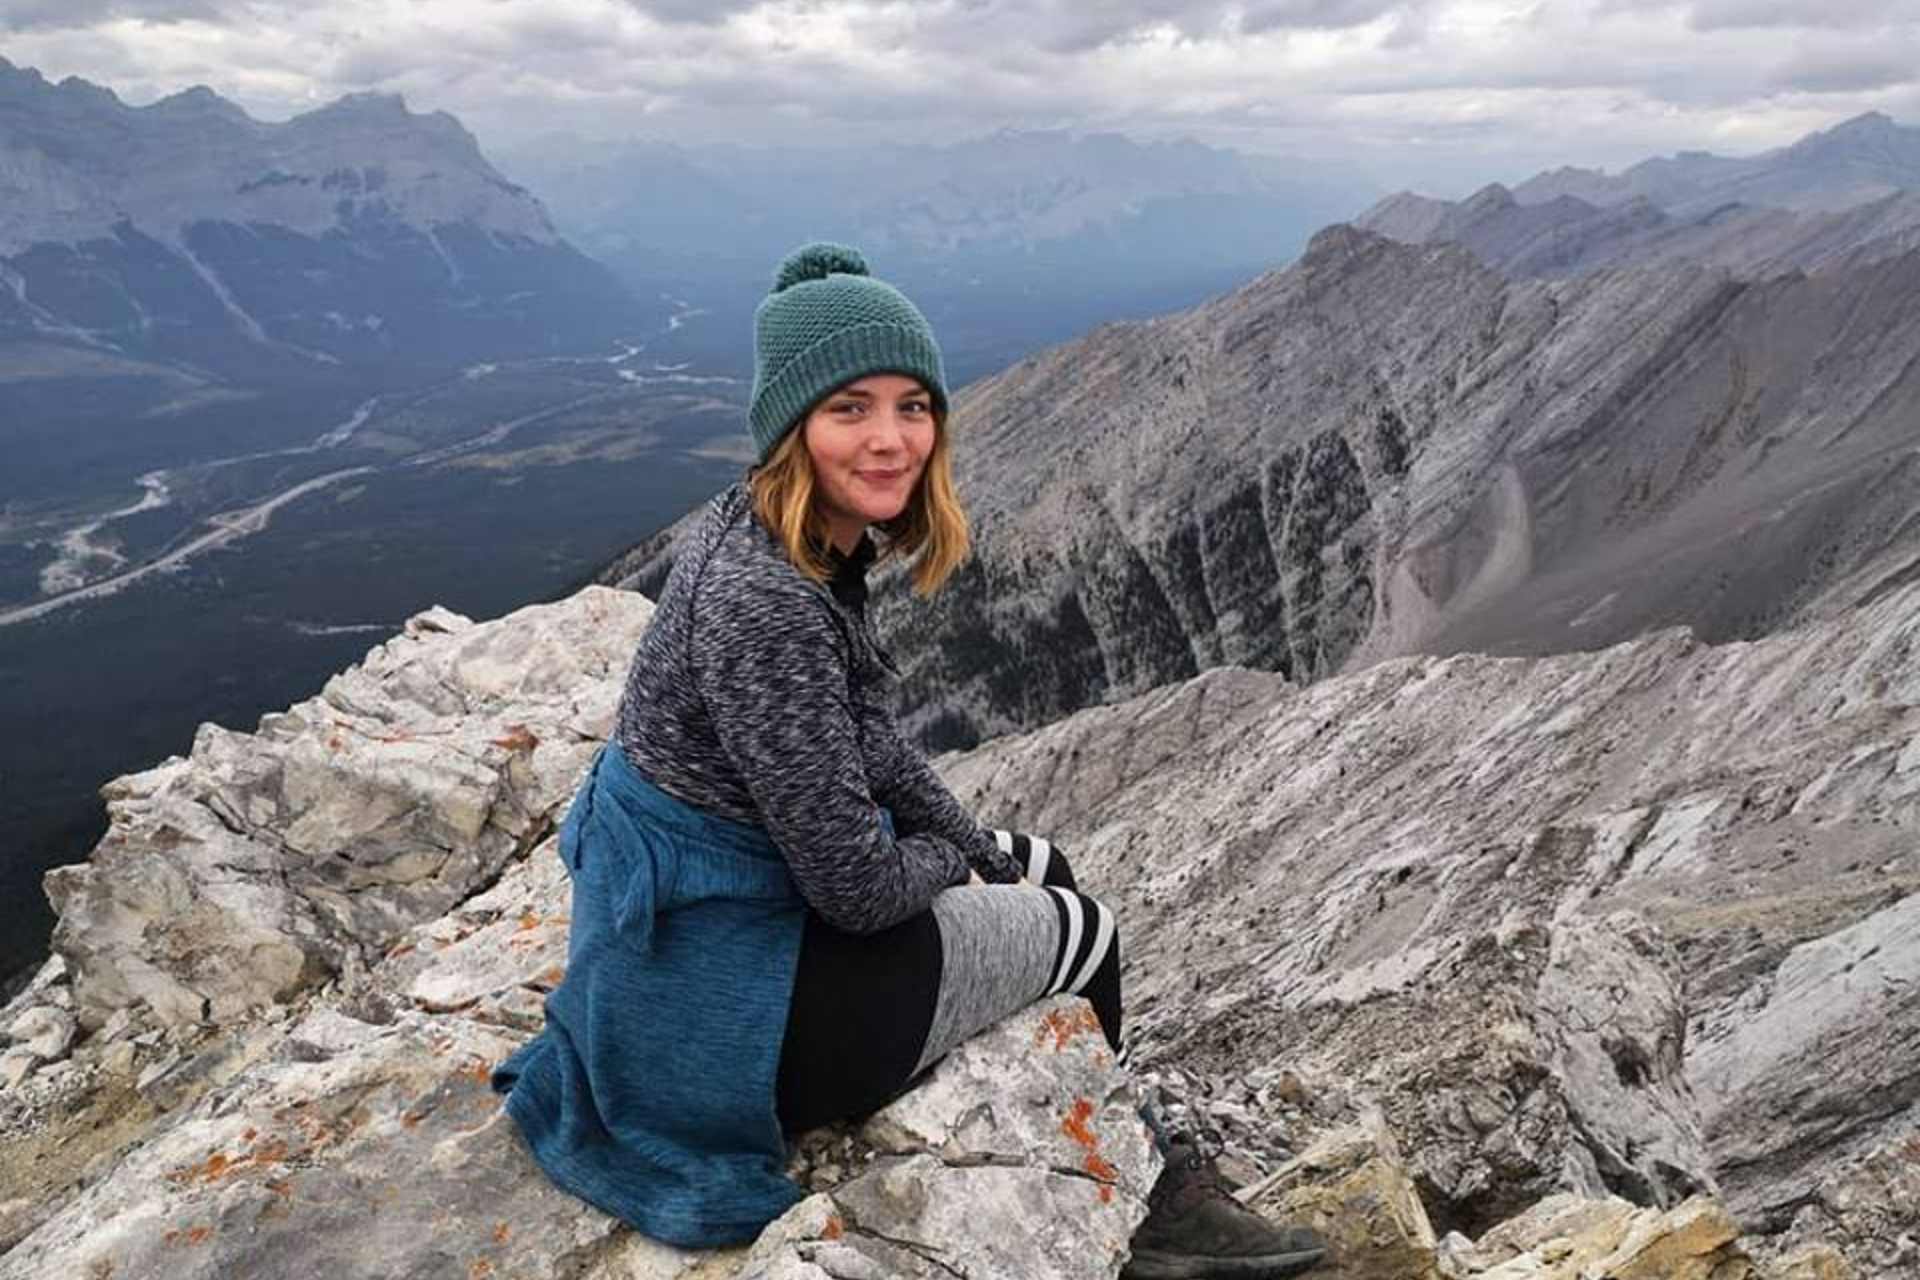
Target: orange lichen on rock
[834, 1229]
[1075, 1125]
[517, 738]
[1064, 1026]
[191, 1236]
[479, 1269]
[268, 1151]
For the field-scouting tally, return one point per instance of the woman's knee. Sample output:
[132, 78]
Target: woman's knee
[1087, 959]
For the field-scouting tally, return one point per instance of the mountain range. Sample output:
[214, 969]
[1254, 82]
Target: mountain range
[1026, 192]
[1855, 162]
[359, 232]
[1848, 195]
[1008, 242]
[1393, 448]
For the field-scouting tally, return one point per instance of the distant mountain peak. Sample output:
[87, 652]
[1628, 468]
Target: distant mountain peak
[366, 103]
[427, 169]
[1869, 126]
[1872, 142]
[1492, 196]
[1865, 122]
[199, 100]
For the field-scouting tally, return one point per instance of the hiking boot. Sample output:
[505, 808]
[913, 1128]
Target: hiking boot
[1196, 1230]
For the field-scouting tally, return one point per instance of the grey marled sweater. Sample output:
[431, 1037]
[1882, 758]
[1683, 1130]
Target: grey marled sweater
[758, 695]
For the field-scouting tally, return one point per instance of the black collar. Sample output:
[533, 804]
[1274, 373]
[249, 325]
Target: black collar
[849, 580]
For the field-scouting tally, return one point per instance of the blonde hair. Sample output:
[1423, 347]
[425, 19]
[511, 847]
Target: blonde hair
[934, 524]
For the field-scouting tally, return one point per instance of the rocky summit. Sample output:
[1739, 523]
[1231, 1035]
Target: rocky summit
[1526, 967]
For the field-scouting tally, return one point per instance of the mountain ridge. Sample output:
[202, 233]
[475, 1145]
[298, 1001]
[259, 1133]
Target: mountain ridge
[359, 232]
[1862, 158]
[1388, 449]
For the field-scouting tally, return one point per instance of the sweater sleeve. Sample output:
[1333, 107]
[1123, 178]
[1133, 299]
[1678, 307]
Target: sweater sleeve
[771, 663]
[920, 801]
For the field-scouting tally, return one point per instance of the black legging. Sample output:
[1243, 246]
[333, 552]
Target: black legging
[863, 1003]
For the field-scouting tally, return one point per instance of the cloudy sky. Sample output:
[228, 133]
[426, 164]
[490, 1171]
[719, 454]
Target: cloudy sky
[1443, 94]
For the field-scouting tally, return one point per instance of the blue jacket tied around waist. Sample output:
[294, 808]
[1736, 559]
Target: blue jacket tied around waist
[651, 1091]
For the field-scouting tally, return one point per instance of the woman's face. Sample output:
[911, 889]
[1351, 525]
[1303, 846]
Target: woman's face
[868, 442]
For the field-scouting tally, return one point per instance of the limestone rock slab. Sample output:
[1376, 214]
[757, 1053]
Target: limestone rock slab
[266, 863]
[368, 1151]
[1022, 1154]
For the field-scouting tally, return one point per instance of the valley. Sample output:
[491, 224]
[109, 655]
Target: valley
[213, 586]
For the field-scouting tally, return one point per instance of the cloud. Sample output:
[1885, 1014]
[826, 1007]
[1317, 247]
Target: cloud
[1825, 67]
[1703, 16]
[705, 13]
[1482, 88]
[1734, 15]
[1276, 15]
[53, 15]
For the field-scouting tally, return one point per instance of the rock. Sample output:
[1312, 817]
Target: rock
[1612, 1004]
[1826, 1058]
[389, 1157]
[1867, 1209]
[16, 1065]
[1687, 1242]
[1524, 903]
[119, 1058]
[348, 1149]
[119, 1023]
[1567, 1237]
[157, 1071]
[1453, 929]
[1815, 1262]
[496, 958]
[1022, 1154]
[46, 1032]
[47, 986]
[1354, 1187]
[266, 863]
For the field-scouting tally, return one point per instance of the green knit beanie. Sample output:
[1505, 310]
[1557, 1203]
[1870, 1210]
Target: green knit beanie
[826, 323]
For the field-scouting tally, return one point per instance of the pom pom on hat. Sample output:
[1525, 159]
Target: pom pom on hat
[817, 261]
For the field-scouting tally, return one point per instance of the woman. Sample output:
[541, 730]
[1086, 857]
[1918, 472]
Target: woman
[780, 914]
